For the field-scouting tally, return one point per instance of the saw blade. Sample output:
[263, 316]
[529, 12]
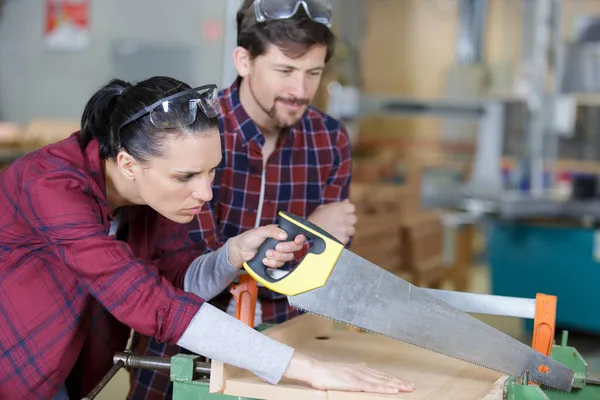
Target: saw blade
[361, 294]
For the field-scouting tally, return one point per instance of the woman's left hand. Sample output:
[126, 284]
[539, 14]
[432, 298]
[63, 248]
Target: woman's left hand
[244, 246]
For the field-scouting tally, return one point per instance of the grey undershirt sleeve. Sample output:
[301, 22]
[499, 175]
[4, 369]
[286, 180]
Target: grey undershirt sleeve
[209, 274]
[219, 336]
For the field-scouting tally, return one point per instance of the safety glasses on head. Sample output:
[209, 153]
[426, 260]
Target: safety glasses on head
[180, 109]
[318, 10]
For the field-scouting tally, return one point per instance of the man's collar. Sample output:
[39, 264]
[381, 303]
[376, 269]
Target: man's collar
[249, 129]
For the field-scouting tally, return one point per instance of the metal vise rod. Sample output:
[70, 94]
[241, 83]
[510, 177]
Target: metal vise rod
[156, 363]
[130, 360]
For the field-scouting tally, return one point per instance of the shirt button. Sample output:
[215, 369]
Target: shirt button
[251, 210]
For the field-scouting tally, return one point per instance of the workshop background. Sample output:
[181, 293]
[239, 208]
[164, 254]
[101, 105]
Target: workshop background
[474, 126]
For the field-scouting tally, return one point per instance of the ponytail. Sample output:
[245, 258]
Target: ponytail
[96, 120]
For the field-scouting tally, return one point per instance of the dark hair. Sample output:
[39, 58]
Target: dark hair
[293, 36]
[110, 106]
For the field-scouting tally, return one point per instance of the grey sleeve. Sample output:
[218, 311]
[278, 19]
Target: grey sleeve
[209, 274]
[219, 336]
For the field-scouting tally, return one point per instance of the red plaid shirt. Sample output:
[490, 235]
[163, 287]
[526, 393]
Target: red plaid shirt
[310, 166]
[68, 291]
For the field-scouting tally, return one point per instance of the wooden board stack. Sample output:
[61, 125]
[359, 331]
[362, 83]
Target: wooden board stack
[395, 234]
[393, 231]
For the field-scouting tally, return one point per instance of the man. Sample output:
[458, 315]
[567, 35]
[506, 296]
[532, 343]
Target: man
[279, 153]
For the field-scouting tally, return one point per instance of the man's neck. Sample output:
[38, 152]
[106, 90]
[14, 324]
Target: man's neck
[255, 112]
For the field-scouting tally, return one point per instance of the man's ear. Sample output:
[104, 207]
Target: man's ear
[242, 61]
[127, 165]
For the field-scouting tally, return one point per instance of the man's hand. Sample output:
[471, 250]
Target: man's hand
[243, 247]
[339, 219]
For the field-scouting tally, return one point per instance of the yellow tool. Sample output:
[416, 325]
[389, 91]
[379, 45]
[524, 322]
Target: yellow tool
[315, 268]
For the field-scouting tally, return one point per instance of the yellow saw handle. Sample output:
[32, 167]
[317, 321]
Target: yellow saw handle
[313, 270]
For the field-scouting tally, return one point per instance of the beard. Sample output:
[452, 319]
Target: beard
[281, 118]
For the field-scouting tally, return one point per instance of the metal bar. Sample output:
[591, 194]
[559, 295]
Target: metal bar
[537, 65]
[480, 24]
[487, 303]
[518, 206]
[465, 46]
[558, 61]
[592, 380]
[486, 178]
[443, 107]
[472, 18]
[155, 363]
[229, 41]
[104, 381]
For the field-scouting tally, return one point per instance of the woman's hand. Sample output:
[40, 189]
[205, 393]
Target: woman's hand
[347, 377]
[243, 247]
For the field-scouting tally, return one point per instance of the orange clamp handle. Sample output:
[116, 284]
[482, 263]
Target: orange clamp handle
[544, 325]
[245, 293]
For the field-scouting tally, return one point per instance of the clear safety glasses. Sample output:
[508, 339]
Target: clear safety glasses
[180, 109]
[318, 10]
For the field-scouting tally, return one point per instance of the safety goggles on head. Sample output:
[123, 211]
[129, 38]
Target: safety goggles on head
[180, 109]
[318, 10]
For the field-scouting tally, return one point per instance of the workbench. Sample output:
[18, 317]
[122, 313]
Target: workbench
[436, 376]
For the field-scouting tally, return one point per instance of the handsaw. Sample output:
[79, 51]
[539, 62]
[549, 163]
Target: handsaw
[335, 283]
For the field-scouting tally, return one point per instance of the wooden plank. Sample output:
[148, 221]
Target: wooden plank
[219, 375]
[497, 390]
[436, 376]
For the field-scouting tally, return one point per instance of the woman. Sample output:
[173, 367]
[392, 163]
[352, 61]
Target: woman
[92, 245]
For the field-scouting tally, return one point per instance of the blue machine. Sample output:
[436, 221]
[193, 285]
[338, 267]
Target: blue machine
[530, 258]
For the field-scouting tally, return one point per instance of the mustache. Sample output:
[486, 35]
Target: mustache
[293, 100]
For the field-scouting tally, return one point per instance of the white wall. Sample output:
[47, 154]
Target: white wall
[35, 82]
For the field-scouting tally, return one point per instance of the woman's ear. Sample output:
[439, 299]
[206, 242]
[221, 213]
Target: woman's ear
[127, 165]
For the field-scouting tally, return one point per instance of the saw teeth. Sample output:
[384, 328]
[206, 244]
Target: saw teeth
[419, 346]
